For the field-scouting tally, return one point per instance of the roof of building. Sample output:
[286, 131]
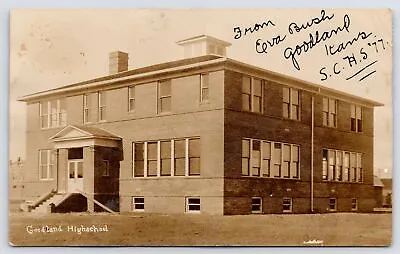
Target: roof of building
[377, 182]
[195, 63]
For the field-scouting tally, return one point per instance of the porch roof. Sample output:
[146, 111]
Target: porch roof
[78, 136]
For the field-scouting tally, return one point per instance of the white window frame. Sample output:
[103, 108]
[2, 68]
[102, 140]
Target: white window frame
[290, 205]
[271, 159]
[160, 97]
[49, 163]
[356, 117]
[131, 98]
[261, 205]
[172, 142]
[329, 205]
[49, 114]
[330, 112]
[252, 95]
[341, 168]
[134, 203]
[188, 205]
[102, 106]
[291, 104]
[86, 109]
[356, 204]
[203, 86]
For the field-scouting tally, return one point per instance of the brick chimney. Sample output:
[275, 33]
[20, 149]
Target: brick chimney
[118, 62]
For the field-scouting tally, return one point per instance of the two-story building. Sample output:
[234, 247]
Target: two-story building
[203, 134]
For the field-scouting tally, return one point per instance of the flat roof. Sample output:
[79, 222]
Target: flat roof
[197, 62]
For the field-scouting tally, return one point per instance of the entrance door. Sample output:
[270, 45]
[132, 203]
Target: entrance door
[75, 175]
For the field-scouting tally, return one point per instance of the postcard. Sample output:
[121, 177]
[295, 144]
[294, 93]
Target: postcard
[200, 127]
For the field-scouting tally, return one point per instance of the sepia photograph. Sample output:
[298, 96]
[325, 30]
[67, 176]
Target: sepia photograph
[200, 127]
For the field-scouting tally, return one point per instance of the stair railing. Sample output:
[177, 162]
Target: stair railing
[40, 200]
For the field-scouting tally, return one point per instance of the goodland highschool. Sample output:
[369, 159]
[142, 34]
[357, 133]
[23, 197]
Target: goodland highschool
[205, 134]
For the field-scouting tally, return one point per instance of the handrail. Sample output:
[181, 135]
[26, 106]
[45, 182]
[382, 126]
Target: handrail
[97, 202]
[40, 200]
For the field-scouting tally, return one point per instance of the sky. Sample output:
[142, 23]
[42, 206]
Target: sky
[52, 48]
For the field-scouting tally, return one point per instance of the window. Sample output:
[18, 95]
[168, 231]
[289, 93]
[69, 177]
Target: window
[332, 204]
[346, 165]
[270, 159]
[256, 205]
[277, 159]
[151, 158]
[194, 156]
[245, 157]
[329, 111]
[138, 204]
[291, 103]
[164, 96]
[353, 167]
[106, 168]
[180, 155]
[204, 87]
[138, 165]
[341, 166]
[193, 205]
[266, 155]
[287, 205]
[256, 158]
[356, 118]
[91, 107]
[252, 94]
[102, 105]
[354, 204]
[359, 167]
[295, 162]
[325, 164]
[131, 98]
[53, 113]
[165, 157]
[46, 164]
[331, 168]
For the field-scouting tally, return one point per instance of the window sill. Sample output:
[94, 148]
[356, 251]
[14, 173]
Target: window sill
[46, 179]
[271, 177]
[165, 177]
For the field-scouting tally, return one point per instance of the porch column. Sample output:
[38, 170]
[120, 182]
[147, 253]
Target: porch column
[88, 175]
[62, 167]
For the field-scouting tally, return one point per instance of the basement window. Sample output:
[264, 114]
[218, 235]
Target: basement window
[354, 204]
[256, 205]
[138, 204]
[287, 205]
[193, 205]
[332, 204]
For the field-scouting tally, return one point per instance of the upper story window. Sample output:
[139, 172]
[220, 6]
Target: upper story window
[102, 105]
[53, 113]
[94, 107]
[46, 164]
[341, 166]
[356, 118]
[204, 87]
[291, 103]
[270, 159]
[252, 94]
[329, 112]
[164, 96]
[131, 98]
[176, 157]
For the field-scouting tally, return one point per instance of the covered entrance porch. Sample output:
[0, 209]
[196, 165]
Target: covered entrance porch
[88, 165]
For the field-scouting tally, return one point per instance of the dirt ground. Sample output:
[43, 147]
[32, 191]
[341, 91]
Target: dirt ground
[340, 229]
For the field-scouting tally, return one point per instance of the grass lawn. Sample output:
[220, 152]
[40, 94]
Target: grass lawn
[339, 229]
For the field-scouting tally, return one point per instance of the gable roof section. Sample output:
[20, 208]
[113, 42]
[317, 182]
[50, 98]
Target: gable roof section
[72, 132]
